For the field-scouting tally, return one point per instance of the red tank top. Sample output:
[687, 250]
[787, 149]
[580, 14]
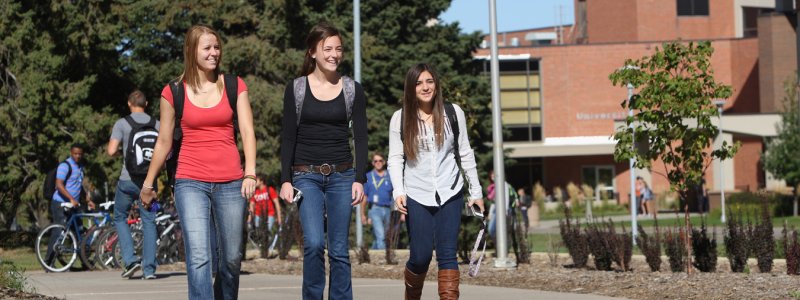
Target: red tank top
[208, 149]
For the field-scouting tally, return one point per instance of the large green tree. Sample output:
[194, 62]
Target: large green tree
[67, 67]
[673, 112]
[782, 157]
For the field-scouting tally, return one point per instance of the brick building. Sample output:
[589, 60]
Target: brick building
[562, 109]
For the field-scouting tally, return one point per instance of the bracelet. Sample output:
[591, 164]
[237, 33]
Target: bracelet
[147, 187]
[253, 177]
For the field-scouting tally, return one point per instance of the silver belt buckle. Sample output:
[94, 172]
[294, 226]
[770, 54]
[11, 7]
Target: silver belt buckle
[325, 169]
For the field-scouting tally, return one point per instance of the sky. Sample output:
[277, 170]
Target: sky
[473, 15]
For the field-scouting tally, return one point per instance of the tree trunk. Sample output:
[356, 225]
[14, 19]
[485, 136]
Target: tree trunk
[687, 236]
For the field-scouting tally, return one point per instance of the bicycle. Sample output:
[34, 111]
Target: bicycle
[91, 238]
[60, 243]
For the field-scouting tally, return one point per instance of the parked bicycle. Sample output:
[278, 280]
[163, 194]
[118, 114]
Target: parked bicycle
[58, 247]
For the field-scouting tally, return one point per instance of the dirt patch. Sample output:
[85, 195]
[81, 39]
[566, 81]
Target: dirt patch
[6, 293]
[540, 275]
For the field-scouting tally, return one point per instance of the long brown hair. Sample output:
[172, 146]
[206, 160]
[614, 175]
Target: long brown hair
[190, 44]
[411, 108]
[318, 33]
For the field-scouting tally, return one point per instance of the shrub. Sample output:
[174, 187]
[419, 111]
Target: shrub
[676, 249]
[621, 246]
[763, 240]
[792, 250]
[650, 247]
[576, 243]
[599, 245]
[704, 249]
[522, 248]
[539, 196]
[737, 243]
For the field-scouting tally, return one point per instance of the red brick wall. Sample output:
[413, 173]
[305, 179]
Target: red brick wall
[613, 21]
[747, 169]
[609, 21]
[777, 59]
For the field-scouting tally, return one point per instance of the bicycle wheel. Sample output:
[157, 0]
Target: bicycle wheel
[63, 245]
[88, 246]
[104, 249]
[138, 242]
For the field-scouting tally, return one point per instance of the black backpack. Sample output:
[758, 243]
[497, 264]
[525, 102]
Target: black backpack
[141, 144]
[178, 95]
[49, 189]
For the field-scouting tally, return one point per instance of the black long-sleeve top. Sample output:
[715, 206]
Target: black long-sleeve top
[323, 135]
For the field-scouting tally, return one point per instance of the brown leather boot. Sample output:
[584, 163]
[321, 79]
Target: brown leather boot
[448, 284]
[414, 284]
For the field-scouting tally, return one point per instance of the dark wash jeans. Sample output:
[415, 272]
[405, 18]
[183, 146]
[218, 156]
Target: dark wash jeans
[326, 198]
[430, 226]
[196, 200]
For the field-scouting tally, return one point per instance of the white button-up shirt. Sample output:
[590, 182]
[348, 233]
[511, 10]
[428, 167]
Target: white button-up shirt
[435, 169]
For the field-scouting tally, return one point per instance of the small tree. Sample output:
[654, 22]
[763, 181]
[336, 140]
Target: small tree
[673, 112]
[782, 157]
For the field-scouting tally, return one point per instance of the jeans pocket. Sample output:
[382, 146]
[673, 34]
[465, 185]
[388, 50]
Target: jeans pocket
[347, 174]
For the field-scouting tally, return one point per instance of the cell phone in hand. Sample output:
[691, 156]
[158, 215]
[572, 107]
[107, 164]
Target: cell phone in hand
[297, 195]
[476, 210]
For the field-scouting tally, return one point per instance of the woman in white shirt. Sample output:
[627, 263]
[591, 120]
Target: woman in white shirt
[427, 179]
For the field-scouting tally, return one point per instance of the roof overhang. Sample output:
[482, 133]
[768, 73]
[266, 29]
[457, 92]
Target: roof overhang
[562, 146]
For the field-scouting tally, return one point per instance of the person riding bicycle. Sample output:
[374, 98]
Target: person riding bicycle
[69, 184]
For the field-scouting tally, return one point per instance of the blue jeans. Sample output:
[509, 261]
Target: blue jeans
[323, 196]
[196, 200]
[127, 192]
[430, 226]
[380, 221]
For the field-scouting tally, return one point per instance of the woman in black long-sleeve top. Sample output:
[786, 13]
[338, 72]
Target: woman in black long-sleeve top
[316, 159]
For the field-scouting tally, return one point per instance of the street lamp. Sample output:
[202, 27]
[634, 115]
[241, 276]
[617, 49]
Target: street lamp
[632, 160]
[720, 103]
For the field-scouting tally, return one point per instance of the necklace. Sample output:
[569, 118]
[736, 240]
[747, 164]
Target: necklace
[425, 119]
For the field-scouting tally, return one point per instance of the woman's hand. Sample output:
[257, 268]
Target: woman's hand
[478, 202]
[287, 192]
[248, 187]
[147, 194]
[400, 202]
[358, 193]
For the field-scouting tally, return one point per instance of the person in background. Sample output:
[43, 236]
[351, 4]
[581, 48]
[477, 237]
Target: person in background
[128, 191]
[379, 197]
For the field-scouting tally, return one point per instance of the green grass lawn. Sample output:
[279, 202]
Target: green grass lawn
[23, 258]
[712, 220]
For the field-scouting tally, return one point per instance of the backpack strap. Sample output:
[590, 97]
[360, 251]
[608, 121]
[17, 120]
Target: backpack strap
[178, 96]
[299, 95]
[232, 91]
[450, 111]
[349, 87]
[69, 172]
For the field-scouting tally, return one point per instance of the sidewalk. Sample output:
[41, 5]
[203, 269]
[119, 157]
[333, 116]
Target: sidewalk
[108, 285]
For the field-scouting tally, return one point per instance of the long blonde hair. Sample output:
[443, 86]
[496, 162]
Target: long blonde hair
[190, 74]
[411, 106]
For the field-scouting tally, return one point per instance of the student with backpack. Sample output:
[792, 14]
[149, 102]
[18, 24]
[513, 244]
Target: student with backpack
[64, 184]
[137, 133]
[200, 114]
[429, 160]
[316, 159]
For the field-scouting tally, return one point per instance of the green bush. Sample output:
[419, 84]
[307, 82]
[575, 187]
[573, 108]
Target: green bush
[14, 278]
[750, 204]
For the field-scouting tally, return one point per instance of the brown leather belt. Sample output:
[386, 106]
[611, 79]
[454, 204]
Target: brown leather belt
[324, 169]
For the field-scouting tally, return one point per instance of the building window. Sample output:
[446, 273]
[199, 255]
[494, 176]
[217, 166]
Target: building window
[520, 99]
[693, 8]
[601, 180]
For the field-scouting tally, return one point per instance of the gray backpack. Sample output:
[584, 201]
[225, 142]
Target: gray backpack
[348, 85]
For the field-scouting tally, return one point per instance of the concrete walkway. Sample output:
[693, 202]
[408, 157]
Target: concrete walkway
[108, 285]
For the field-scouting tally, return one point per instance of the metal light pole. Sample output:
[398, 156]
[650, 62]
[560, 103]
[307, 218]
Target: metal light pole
[357, 64]
[631, 162]
[719, 103]
[497, 137]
